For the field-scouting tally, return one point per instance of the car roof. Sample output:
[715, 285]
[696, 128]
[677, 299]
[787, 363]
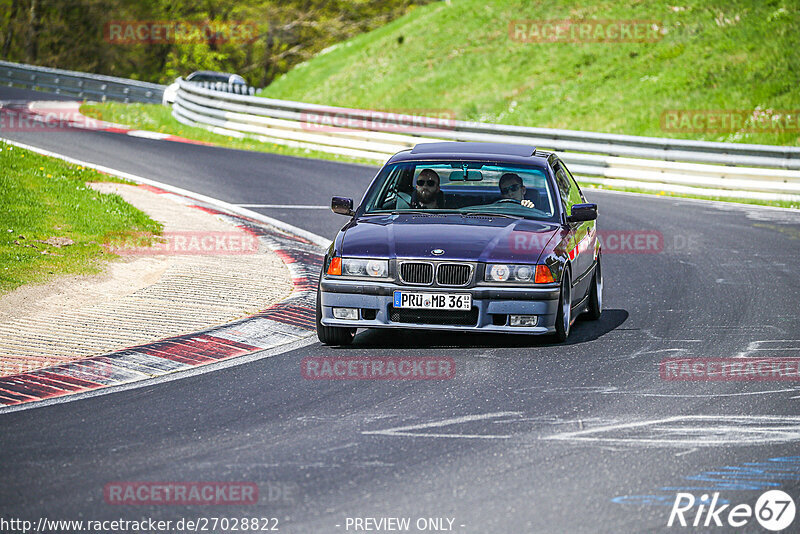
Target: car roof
[211, 73]
[501, 152]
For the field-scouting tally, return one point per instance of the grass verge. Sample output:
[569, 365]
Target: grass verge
[51, 223]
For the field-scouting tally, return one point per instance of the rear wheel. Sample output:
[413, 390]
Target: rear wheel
[596, 294]
[331, 335]
[564, 313]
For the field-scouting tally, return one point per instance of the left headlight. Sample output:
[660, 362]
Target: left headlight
[365, 267]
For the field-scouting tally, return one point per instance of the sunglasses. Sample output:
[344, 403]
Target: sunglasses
[510, 189]
[429, 183]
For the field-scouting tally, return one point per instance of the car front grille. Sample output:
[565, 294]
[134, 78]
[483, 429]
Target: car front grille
[444, 317]
[453, 274]
[416, 273]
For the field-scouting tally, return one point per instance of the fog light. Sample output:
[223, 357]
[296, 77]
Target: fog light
[351, 314]
[523, 320]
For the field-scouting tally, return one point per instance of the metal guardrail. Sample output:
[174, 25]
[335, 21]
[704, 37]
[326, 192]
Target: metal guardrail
[80, 84]
[756, 171]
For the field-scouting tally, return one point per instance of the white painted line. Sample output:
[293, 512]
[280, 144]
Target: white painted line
[314, 238]
[148, 134]
[284, 206]
[694, 431]
[406, 430]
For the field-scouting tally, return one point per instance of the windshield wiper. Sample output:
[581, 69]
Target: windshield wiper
[489, 214]
[413, 212]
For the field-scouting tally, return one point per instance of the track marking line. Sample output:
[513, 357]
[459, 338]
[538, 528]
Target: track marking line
[708, 431]
[408, 429]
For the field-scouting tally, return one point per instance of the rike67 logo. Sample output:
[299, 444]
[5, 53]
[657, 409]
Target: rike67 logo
[774, 511]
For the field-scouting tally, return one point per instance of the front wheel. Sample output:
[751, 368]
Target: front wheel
[564, 313]
[596, 295]
[332, 335]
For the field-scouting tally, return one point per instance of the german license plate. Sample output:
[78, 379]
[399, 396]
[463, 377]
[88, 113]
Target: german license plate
[433, 301]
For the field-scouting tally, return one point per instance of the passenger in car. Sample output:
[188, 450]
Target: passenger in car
[512, 188]
[427, 193]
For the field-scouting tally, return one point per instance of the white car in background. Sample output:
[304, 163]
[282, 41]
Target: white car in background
[201, 76]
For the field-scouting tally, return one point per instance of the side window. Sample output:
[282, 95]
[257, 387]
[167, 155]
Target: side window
[575, 189]
[565, 189]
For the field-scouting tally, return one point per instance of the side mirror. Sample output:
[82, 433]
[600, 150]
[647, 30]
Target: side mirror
[583, 212]
[342, 206]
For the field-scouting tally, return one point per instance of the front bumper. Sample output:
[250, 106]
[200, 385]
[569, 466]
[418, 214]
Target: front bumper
[491, 302]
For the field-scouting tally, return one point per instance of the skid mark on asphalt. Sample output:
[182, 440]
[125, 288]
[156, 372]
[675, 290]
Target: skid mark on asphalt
[771, 348]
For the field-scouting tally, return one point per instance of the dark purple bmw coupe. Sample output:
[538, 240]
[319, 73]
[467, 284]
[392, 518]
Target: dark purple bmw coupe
[473, 237]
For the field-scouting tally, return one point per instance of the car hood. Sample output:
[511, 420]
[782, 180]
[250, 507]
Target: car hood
[465, 238]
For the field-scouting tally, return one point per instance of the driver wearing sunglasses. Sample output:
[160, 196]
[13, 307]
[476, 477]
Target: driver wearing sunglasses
[511, 188]
[427, 193]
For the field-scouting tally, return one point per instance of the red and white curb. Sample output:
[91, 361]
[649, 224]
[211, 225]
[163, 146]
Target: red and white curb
[48, 116]
[283, 323]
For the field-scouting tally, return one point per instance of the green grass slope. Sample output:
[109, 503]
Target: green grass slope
[459, 57]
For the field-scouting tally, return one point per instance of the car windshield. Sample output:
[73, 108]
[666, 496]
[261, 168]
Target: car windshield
[463, 187]
[208, 77]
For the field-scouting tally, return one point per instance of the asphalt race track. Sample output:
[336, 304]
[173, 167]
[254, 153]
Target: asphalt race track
[528, 436]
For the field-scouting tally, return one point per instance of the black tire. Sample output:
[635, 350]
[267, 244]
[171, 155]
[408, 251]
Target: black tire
[595, 308]
[332, 335]
[564, 313]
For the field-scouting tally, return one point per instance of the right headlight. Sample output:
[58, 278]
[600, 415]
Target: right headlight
[509, 272]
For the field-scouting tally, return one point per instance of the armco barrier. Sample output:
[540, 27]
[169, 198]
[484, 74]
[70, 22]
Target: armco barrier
[729, 169]
[79, 84]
